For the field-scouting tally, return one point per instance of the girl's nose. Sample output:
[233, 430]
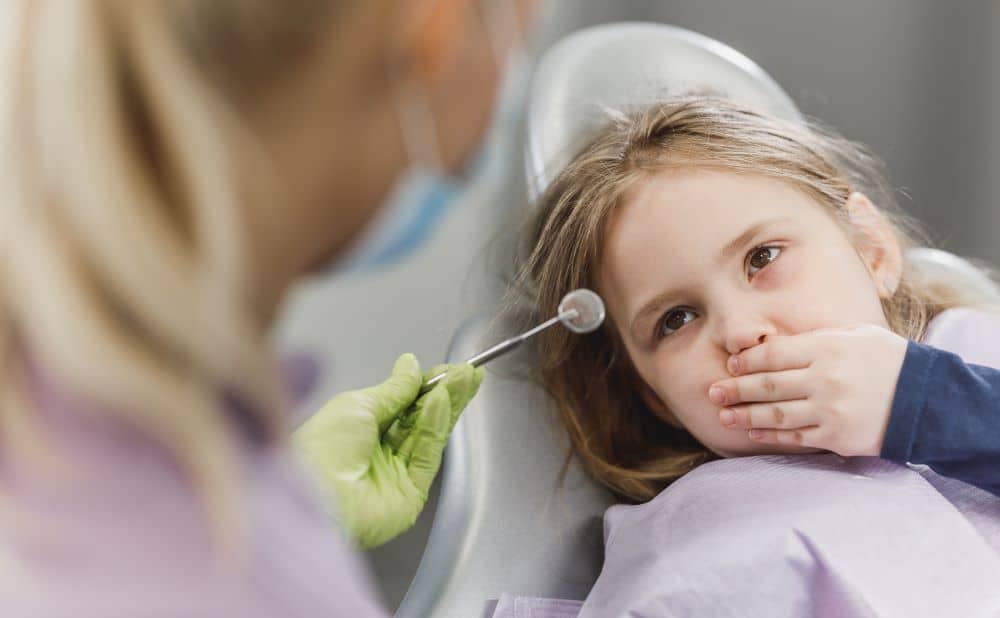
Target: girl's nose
[741, 331]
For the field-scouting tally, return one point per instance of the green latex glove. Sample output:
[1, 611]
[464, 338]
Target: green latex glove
[377, 450]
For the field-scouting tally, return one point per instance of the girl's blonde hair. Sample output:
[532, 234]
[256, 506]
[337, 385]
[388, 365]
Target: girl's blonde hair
[619, 440]
[122, 260]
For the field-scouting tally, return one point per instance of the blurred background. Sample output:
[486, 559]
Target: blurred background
[918, 81]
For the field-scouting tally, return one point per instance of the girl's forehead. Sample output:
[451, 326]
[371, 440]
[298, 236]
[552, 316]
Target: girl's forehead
[684, 206]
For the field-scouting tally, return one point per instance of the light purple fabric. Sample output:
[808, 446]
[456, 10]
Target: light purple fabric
[125, 537]
[796, 536]
[972, 334]
[815, 535]
[510, 606]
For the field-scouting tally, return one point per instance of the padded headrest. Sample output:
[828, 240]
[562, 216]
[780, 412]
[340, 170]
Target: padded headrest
[624, 66]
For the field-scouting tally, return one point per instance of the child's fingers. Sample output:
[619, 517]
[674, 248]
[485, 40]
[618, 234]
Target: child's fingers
[804, 436]
[770, 386]
[775, 354]
[778, 415]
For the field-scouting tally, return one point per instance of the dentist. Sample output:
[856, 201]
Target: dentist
[172, 168]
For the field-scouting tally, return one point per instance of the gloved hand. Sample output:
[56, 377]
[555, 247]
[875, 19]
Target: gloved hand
[376, 450]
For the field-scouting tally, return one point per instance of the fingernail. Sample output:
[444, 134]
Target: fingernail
[728, 417]
[733, 364]
[756, 434]
[717, 395]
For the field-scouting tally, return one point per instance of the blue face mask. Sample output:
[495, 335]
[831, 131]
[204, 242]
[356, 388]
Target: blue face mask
[426, 192]
[416, 205]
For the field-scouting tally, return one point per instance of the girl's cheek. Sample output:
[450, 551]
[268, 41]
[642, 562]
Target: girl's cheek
[683, 378]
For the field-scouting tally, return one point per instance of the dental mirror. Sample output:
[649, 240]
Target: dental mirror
[581, 311]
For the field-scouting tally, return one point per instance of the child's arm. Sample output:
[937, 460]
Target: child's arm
[946, 412]
[864, 390]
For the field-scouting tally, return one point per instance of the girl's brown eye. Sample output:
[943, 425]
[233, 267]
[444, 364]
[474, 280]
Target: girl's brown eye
[673, 320]
[761, 257]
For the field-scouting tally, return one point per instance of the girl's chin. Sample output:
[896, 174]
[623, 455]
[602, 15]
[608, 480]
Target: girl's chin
[756, 448]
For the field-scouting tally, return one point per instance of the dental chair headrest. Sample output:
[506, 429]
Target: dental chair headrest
[624, 66]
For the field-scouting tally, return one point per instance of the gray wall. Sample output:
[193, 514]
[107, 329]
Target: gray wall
[914, 79]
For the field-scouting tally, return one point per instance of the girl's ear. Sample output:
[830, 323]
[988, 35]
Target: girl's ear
[876, 242]
[656, 405]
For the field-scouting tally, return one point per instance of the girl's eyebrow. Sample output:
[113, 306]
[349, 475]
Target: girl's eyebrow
[740, 241]
[654, 304]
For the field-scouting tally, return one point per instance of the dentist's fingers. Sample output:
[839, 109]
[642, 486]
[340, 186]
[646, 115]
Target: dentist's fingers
[462, 384]
[771, 386]
[391, 398]
[778, 415]
[805, 436]
[775, 354]
[423, 449]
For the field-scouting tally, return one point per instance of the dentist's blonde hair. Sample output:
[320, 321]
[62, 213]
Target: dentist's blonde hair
[619, 440]
[122, 261]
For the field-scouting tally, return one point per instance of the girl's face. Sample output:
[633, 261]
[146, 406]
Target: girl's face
[700, 264]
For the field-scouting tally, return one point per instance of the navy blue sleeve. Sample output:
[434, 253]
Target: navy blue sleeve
[946, 414]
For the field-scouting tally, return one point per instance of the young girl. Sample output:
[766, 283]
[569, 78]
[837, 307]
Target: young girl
[762, 298]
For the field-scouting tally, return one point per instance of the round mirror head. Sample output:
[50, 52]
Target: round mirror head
[581, 311]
